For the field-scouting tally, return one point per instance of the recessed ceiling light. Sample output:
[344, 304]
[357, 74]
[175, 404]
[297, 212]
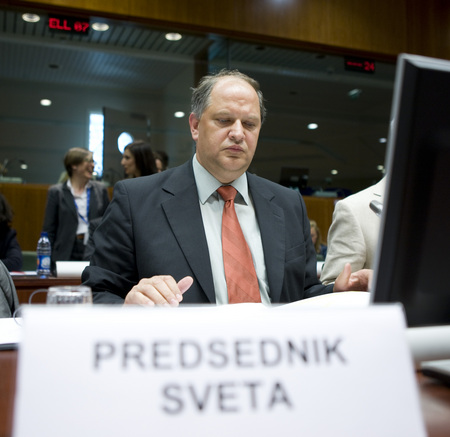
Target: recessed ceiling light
[100, 27]
[179, 114]
[31, 18]
[173, 36]
[46, 102]
[313, 126]
[355, 93]
[334, 172]
[382, 140]
[123, 140]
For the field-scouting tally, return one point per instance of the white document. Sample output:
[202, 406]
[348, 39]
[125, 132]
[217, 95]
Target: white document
[10, 332]
[345, 299]
[212, 371]
[70, 269]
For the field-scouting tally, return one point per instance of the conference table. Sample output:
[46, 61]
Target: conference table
[434, 397]
[26, 285]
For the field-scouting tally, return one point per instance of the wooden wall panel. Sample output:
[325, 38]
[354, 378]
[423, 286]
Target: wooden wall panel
[321, 210]
[383, 28]
[28, 203]
[429, 28]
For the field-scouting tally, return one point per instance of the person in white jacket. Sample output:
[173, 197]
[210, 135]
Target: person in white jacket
[353, 234]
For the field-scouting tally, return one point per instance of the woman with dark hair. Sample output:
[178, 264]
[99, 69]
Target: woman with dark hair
[138, 160]
[161, 160]
[10, 251]
[71, 205]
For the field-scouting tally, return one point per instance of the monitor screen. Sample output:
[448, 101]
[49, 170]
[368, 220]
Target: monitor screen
[414, 248]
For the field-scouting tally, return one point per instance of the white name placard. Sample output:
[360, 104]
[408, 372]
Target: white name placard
[215, 371]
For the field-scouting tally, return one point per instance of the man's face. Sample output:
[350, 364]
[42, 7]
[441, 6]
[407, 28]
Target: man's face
[227, 133]
[129, 164]
[85, 169]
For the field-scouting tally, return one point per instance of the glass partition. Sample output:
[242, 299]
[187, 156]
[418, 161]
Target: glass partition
[135, 69]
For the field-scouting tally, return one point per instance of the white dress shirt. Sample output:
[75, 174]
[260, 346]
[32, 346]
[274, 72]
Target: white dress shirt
[81, 204]
[211, 206]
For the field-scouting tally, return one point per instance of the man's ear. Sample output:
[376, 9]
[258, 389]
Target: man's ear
[193, 124]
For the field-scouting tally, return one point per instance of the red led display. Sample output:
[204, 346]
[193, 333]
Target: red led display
[360, 64]
[72, 25]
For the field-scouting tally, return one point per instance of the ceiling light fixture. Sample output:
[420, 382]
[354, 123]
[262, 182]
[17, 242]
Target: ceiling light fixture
[312, 126]
[382, 140]
[173, 36]
[355, 93]
[179, 114]
[123, 140]
[100, 27]
[30, 18]
[334, 172]
[46, 102]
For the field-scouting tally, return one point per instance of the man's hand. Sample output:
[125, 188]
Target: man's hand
[358, 281]
[158, 290]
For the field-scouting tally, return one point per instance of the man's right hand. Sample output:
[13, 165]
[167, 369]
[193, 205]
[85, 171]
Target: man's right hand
[158, 290]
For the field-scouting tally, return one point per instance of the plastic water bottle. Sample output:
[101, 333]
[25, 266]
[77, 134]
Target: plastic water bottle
[43, 252]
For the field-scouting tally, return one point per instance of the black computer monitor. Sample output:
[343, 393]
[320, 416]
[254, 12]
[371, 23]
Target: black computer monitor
[414, 248]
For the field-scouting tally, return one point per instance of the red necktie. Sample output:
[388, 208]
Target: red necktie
[242, 283]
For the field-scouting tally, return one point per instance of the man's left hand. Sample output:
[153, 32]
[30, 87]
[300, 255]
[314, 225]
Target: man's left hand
[357, 281]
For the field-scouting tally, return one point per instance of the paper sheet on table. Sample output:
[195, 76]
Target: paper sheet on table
[70, 269]
[338, 299]
[10, 331]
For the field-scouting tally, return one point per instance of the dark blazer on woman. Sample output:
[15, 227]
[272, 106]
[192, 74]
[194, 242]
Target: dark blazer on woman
[61, 217]
[154, 226]
[9, 302]
[10, 251]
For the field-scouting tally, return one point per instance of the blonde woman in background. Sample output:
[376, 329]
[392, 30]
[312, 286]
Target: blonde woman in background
[321, 249]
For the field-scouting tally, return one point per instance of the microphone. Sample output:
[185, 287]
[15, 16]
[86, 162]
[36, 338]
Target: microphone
[376, 207]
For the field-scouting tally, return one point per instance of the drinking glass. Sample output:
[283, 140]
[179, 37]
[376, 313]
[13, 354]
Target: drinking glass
[69, 294]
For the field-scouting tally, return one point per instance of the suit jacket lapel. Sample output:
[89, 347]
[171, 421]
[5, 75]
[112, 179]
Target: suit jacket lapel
[69, 200]
[184, 216]
[183, 213]
[272, 227]
[92, 201]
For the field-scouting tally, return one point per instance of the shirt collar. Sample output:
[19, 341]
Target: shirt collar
[207, 184]
[86, 187]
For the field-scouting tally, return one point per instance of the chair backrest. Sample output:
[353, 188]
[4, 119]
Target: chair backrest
[29, 258]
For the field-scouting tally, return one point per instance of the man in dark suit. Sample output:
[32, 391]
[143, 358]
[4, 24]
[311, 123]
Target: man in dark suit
[159, 241]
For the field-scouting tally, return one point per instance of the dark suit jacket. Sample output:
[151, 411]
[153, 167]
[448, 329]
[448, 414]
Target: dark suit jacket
[153, 226]
[10, 251]
[9, 302]
[61, 217]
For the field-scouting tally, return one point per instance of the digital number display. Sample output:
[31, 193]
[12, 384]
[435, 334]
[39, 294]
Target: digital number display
[79, 26]
[361, 65]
